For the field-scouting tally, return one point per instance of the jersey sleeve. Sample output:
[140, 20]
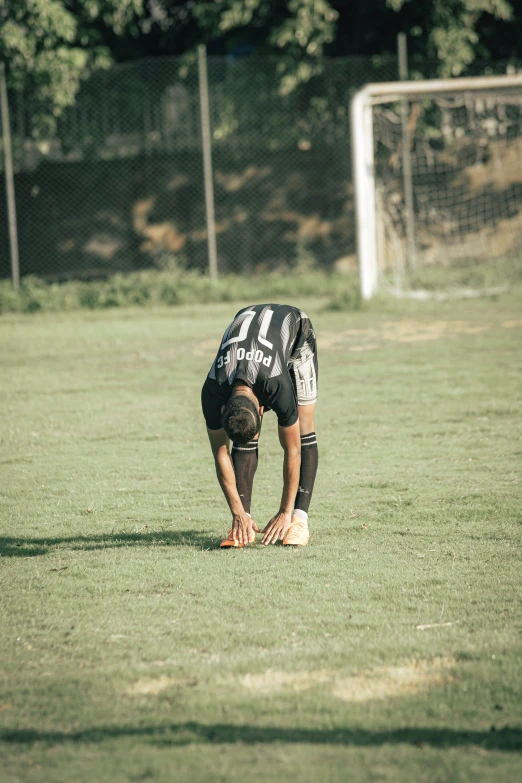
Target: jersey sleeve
[212, 400]
[279, 395]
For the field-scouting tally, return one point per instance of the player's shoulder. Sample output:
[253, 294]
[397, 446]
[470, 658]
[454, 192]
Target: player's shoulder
[297, 311]
[214, 392]
[255, 307]
[273, 306]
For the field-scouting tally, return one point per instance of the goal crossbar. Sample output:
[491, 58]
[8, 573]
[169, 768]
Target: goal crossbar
[363, 163]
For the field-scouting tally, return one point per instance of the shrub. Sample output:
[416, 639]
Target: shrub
[171, 287]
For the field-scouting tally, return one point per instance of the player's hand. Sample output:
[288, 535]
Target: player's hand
[244, 528]
[276, 528]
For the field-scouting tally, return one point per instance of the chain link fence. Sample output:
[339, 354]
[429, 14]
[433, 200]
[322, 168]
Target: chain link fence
[120, 186]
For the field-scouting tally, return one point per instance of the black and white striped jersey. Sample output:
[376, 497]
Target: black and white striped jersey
[259, 348]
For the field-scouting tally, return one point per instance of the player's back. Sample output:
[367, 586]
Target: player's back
[257, 344]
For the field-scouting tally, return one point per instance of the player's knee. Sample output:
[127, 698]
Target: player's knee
[306, 420]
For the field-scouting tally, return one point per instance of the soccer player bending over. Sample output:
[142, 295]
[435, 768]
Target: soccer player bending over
[267, 361]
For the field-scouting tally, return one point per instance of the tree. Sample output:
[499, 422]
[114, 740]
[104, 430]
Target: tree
[49, 48]
[451, 29]
[297, 27]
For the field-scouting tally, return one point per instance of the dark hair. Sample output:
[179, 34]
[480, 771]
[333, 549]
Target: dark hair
[241, 419]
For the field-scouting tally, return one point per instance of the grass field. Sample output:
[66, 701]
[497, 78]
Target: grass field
[133, 649]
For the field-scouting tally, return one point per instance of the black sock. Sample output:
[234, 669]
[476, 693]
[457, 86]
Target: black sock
[309, 462]
[244, 459]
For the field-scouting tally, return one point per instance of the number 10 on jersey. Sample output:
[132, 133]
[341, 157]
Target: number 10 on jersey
[257, 356]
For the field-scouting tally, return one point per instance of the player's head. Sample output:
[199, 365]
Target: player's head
[241, 420]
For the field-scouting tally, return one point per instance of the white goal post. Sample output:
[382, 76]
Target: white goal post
[399, 97]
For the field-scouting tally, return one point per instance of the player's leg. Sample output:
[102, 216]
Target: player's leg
[305, 374]
[245, 458]
[298, 533]
[309, 459]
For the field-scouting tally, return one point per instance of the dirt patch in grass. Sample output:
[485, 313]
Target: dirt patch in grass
[277, 682]
[402, 331]
[391, 681]
[369, 347]
[406, 331]
[153, 687]
[380, 683]
[207, 347]
[350, 339]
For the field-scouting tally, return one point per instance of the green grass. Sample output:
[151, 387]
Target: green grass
[112, 585]
[484, 275]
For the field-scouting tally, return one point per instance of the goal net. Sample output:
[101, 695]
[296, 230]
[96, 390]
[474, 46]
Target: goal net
[438, 173]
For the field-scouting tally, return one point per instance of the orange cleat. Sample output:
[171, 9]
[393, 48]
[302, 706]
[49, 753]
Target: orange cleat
[230, 542]
[297, 534]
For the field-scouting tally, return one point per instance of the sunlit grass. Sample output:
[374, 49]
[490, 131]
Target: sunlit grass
[133, 649]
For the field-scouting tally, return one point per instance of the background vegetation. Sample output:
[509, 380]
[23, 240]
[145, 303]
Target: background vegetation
[51, 45]
[150, 288]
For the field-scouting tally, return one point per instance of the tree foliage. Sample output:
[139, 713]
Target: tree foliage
[50, 45]
[451, 29]
[297, 27]
[297, 31]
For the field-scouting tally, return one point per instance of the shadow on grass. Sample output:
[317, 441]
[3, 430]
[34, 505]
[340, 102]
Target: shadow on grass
[507, 739]
[31, 547]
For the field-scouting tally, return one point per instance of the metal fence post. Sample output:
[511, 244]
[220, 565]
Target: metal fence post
[411, 254]
[9, 180]
[207, 161]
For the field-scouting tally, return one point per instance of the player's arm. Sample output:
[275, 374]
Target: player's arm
[243, 526]
[219, 443]
[290, 440]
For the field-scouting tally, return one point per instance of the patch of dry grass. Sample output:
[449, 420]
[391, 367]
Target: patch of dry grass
[383, 682]
[388, 682]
